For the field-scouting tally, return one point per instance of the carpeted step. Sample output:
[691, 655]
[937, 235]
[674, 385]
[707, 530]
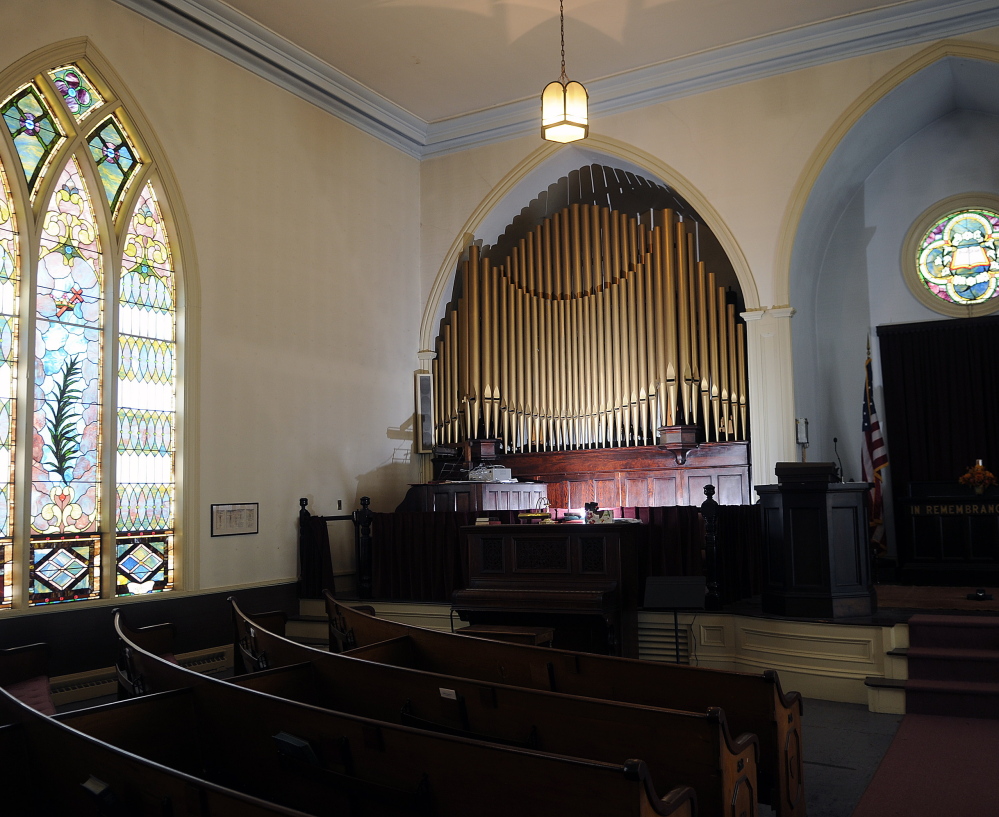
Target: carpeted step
[967, 699]
[944, 664]
[956, 632]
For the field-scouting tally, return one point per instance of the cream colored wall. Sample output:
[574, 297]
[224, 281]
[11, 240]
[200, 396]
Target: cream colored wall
[751, 151]
[306, 290]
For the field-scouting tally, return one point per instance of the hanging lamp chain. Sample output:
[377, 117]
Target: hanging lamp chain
[561, 16]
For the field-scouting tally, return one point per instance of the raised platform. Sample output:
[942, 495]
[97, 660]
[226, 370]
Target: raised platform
[858, 660]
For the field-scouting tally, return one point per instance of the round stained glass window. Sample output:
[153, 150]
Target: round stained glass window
[956, 259]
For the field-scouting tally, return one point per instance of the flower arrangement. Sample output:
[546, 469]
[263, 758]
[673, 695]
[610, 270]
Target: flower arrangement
[978, 477]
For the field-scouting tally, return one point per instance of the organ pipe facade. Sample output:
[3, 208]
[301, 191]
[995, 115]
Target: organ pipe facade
[595, 331]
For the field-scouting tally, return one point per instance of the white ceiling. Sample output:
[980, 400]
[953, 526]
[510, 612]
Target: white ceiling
[439, 59]
[444, 72]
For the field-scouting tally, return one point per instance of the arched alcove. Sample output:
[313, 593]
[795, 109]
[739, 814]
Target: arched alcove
[924, 138]
[545, 166]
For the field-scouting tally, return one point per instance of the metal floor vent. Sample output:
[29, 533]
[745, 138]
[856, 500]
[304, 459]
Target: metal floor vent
[657, 642]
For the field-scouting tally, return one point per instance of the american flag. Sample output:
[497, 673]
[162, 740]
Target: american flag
[874, 459]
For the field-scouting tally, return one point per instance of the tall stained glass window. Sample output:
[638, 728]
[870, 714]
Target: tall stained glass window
[9, 267]
[956, 260]
[146, 413]
[92, 514]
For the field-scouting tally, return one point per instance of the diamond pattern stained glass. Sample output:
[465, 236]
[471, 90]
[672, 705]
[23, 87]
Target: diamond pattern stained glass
[64, 569]
[145, 564]
[78, 92]
[957, 258]
[34, 129]
[115, 158]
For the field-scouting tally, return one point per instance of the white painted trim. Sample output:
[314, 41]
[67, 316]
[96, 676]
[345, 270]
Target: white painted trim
[217, 27]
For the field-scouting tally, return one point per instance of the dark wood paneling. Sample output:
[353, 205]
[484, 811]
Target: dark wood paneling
[642, 476]
[84, 639]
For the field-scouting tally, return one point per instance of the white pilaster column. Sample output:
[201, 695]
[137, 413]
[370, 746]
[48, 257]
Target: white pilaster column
[771, 390]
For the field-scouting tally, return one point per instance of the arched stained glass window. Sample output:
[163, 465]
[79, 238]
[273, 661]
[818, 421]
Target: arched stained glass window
[146, 410]
[9, 273]
[98, 490]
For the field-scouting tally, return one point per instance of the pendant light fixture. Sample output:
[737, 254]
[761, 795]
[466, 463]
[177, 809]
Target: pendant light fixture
[563, 103]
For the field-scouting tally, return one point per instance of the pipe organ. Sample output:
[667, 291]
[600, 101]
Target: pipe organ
[595, 331]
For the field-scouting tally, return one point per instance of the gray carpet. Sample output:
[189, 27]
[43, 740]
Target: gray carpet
[844, 744]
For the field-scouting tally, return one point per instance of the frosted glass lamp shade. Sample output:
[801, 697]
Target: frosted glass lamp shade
[563, 112]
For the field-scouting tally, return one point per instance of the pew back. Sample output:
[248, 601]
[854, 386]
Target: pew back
[392, 769]
[679, 748]
[753, 703]
[49, 767]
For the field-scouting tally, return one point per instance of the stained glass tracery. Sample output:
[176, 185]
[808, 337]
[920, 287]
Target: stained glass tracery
[34, 129]
[115, 158]
[78, 92]
[958, 259]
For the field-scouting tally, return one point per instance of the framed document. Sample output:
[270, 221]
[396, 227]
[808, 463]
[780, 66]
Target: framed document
[234, 520]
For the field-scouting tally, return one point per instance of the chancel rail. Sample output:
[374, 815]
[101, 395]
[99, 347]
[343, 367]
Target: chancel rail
[595, 331]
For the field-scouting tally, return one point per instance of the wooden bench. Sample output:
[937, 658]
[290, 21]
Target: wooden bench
[386, 769]
[49, 767]
[753, 703]
[679, 748]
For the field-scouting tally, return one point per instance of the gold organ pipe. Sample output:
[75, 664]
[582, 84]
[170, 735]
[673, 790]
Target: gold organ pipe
[713, 347]
[485, 348]
[696, 363]
[614, 347]
[631, 373]
[723, 363]
[474, 404]
[683, 313]
[705, 381]
[641, 304]
[597, 330]
[672, 372]
[733, 385]
[503, 300]
[461, 339]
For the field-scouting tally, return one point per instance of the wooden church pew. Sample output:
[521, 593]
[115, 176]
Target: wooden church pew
[753, 703]
[386, 769]
[24, 674]
[679, 748]
[50, 768]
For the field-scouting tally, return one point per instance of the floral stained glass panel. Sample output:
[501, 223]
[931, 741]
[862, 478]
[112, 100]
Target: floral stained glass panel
[9, 274]
[68, 350]
[115, 158]
[34, 129]
[78, 92]
[957, 258]
[146, 398]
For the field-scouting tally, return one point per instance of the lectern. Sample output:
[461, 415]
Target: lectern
[816, 538]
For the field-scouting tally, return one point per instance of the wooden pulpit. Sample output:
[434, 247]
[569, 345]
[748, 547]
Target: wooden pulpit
[815, 530]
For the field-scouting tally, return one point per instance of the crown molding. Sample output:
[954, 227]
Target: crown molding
[226, 32]
[221, 29]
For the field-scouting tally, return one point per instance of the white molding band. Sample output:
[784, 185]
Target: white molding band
[217, 27]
